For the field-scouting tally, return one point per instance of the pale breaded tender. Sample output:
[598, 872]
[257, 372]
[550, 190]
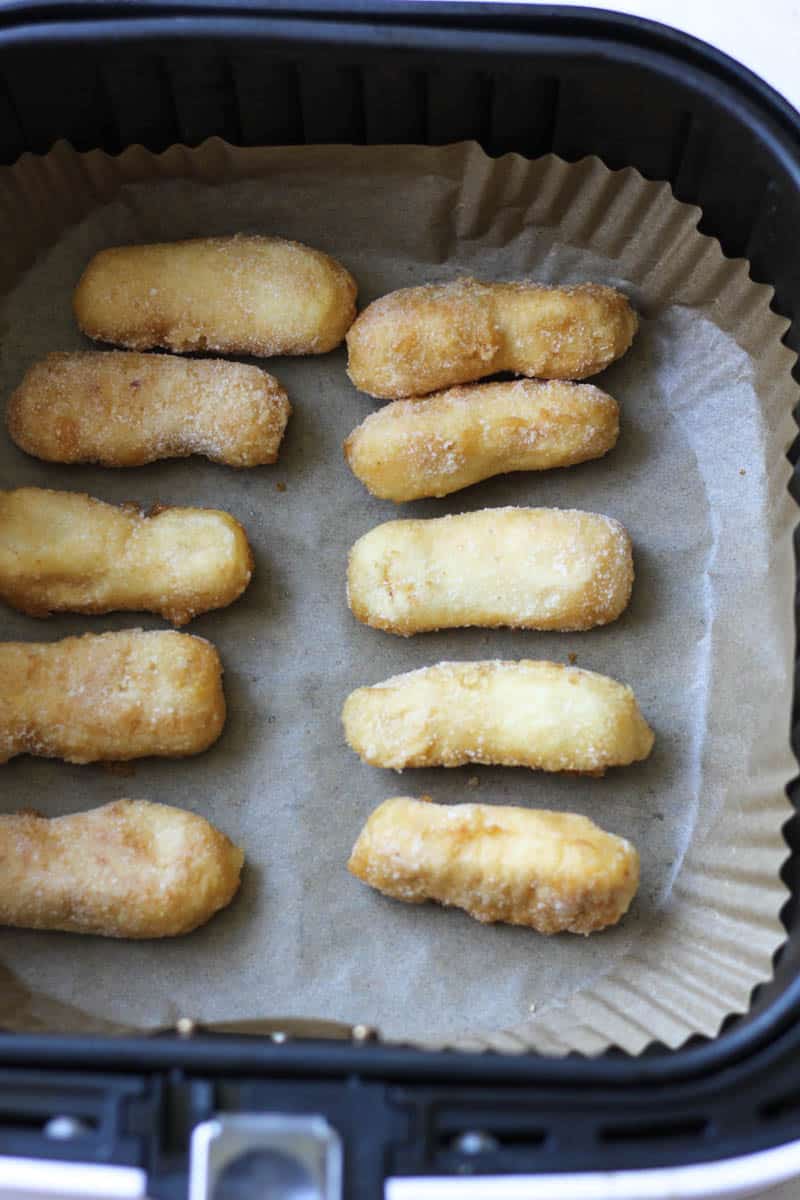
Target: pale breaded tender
[110, 697]
[242, 295]
[420, 339]
[130, 869]
[513, 714]
[66, 552]
[554, 872]
[431, 447]
[525, 568]
[123, 410]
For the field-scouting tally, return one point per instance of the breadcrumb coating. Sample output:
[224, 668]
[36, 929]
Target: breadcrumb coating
[525, 568]
[412, 449]
[245, 294]
[130, 869]
[67, 552]
[554, 872]
[110, 697]
[540, 715]
[420, 339]
[123, 409]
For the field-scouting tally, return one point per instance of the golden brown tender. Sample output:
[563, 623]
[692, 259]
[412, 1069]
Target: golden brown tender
[526, 568]
[432, 447]
[242, 295]
[420, 339]
[123, 410]
[512, 714]
[66, 552]
[110, 697]
[130, 869]
[554, 872]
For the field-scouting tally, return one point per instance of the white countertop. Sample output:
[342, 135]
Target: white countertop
[762, 34]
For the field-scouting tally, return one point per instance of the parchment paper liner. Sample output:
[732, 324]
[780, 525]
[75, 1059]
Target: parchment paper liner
[700, 478]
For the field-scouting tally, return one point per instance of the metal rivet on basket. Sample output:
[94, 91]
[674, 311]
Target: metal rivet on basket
[61, 1129]
[474, 1141]
[279, 1037]
[185, 1027]
[364, 1033]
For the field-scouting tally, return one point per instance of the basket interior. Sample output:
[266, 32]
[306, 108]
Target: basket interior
[721, 142]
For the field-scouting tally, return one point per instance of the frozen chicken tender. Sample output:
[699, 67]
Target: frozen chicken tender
[122, 409]
[130, 869]
[412, 449]
[554, 872]
[110, 697]
[66, 552]
[420, 339]
[242, 295]
[512, 714]
[527, 568]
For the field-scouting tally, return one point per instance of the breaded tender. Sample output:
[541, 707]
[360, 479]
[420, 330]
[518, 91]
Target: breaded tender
[555, 872]
[416, 448]
[110, 697]
[526, 568]
[66, 552]
[421, 339]
[512, 714]
[123, 410]
[130, 869]
[242, 295]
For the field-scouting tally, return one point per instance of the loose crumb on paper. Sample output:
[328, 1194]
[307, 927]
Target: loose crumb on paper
[123, 770]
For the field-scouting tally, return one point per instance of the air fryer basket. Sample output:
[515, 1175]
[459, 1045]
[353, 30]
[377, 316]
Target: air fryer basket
[575, 82]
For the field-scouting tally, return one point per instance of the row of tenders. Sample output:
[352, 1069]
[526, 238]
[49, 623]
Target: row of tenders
[525, 568]
[136, 869]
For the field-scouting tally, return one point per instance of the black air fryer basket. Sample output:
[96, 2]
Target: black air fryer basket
[722, 1113]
